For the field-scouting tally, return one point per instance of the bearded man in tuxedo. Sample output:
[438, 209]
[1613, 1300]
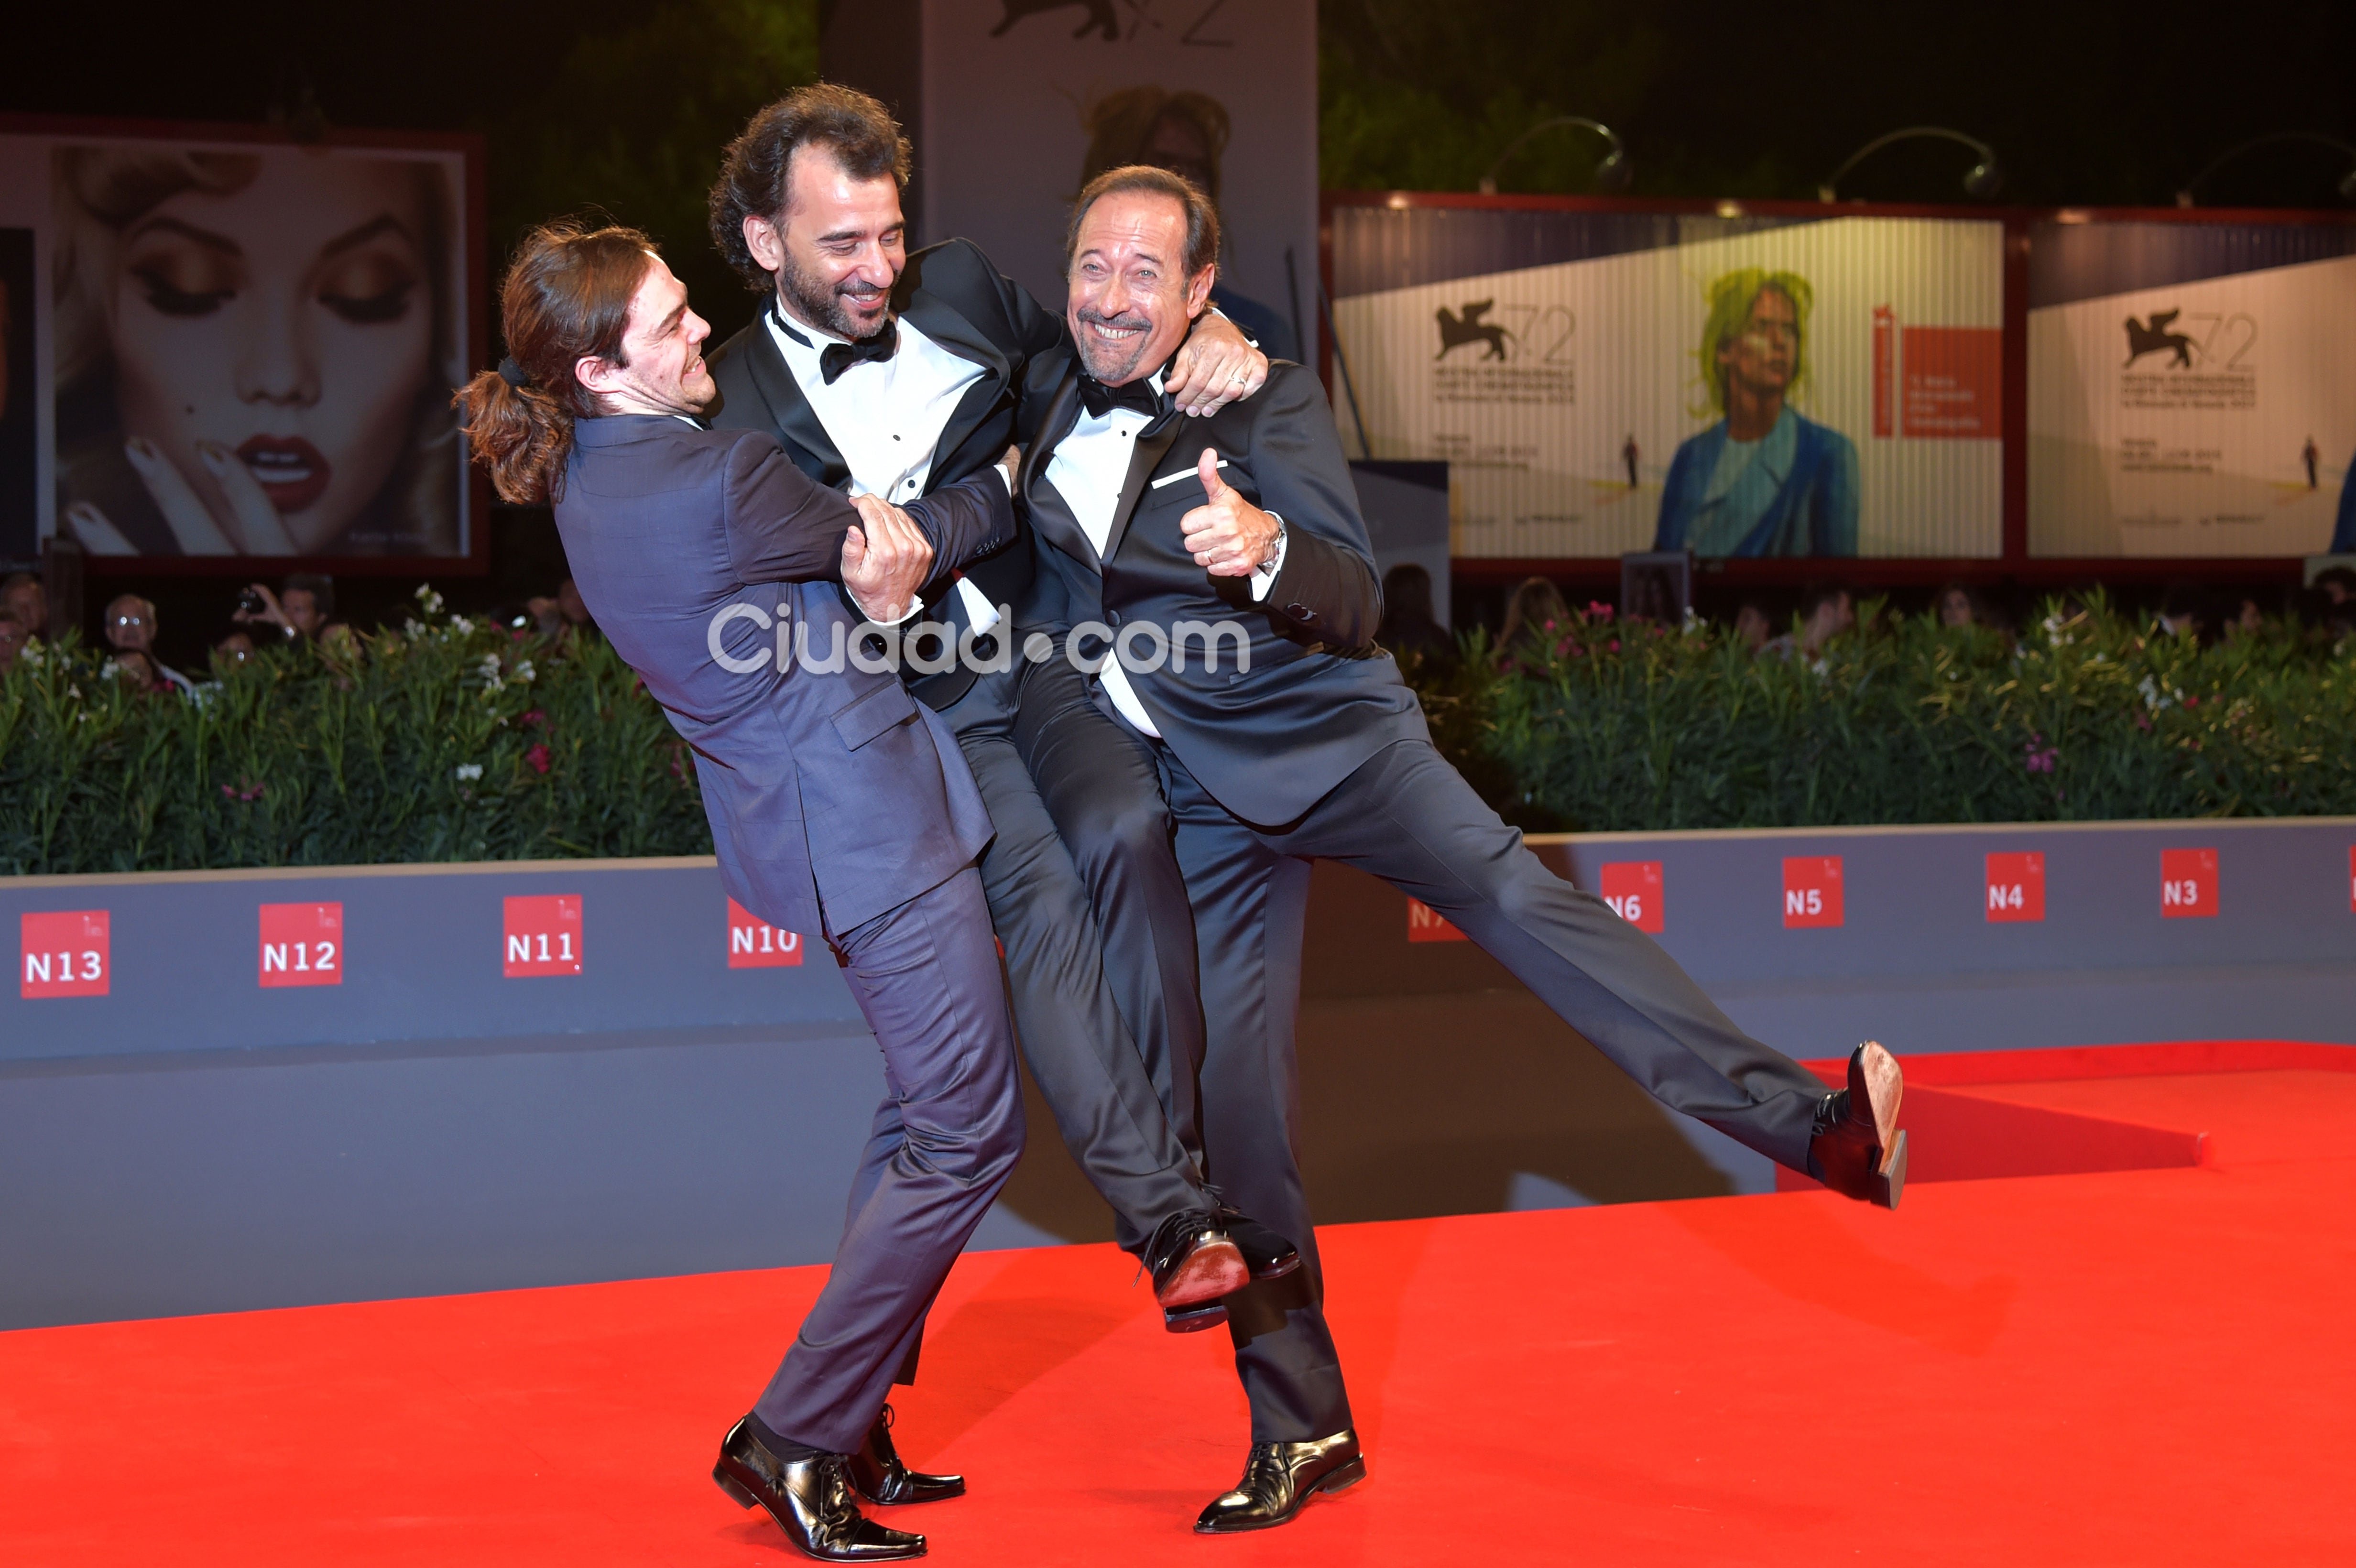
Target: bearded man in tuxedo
[893, 374]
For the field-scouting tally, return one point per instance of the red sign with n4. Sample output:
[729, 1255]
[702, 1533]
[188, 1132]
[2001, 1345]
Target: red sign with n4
[2016, 887]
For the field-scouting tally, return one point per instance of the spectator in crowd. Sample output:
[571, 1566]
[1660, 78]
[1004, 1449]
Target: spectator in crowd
[1536, 614]
[303, 610]
[1752, 629]
[2184, 613]
[1826, 612]
[13, 637]
[1185, 132]
[1959, 606]
[130, 628]
[2337, 584]
[237, 648]
[24, 597]
[137, 666]
[562, 612]
[1408, 625]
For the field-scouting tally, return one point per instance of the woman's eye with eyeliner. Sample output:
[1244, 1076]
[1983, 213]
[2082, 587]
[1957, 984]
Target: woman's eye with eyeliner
[169, 299]
[387, 304]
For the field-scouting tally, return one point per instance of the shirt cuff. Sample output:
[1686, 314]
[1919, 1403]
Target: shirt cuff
[916, 604]
[1263, 578]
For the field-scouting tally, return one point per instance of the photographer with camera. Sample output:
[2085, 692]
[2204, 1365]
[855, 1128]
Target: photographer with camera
[303, 609]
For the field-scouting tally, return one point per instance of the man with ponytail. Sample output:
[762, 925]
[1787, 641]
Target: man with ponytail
[838, 805]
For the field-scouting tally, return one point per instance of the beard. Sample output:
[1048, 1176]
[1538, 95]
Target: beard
[823, 304]
[1114, 364]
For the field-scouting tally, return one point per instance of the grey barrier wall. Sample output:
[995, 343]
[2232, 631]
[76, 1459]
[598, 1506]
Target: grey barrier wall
[196, 1140]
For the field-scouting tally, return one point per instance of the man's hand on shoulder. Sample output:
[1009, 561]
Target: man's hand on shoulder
[1217, 366]
[886, 558]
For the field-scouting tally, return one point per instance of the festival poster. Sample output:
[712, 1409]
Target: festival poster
[2191, 390]
[245, 346]
[1742, 388]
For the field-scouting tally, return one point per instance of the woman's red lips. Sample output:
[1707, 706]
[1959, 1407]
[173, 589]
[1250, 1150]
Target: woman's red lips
[290, 470]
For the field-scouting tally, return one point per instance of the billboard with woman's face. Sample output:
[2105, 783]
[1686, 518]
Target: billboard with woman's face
[250, 348]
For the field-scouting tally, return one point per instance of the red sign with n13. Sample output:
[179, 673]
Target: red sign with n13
[1632, 888]
[2016, 887]
[2188, 882]
[302, 944]
[64, 954]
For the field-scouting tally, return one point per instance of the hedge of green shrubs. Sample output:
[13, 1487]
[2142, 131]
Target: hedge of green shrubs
[448, 739]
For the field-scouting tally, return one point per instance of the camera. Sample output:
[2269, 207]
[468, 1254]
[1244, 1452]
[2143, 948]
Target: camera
[250, 602]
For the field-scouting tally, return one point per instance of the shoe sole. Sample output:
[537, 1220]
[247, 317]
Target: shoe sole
[1341, 1479]
[1211, 1270]
[1890, 1181]
[1194, 1320]
[1278, 1269]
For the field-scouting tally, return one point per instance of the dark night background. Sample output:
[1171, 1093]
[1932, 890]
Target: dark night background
[626, 106]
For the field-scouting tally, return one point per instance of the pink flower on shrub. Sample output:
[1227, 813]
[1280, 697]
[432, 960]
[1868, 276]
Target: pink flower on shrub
[1614, 645]
[536, 755]
[534, 717]
[1598, 609]
[2040, 758]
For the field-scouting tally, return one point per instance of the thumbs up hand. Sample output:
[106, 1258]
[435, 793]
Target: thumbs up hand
[1226, 535]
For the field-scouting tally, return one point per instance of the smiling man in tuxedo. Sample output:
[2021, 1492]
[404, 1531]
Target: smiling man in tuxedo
[893, 374]
[1240, 533]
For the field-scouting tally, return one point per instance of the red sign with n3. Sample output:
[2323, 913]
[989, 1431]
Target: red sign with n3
[1632, 888]
[64, 954]
[302, 944]
[543, 935]
[753, 943]
[2188, 882]
[2016, 887]
[1812, 890]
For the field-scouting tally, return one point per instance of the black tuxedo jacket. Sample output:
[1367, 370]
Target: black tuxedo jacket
[953, 292]
[1316, 698]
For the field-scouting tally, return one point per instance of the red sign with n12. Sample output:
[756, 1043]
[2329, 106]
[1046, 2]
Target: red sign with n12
[64, 954]
[302, 944]
[1632, 888]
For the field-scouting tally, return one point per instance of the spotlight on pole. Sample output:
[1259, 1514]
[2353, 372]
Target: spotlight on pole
[2187, 196]
[1982, 180]
[1613, 174]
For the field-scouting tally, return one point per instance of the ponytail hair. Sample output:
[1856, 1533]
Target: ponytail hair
[566, 295]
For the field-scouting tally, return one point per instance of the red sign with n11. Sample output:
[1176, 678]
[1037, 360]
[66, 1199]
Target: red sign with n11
[542, 936]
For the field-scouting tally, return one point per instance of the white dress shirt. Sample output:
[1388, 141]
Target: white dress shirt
[885, 416]
[1088, 469]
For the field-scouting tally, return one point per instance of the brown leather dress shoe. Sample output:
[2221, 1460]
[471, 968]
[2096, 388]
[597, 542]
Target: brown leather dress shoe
[877, 1473]
[1193, 1265]
[810, 1499]
[1858, 1149]
[1278, 1480]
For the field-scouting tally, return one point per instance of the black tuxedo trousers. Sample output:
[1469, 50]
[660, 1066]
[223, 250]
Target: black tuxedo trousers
[1409, 818]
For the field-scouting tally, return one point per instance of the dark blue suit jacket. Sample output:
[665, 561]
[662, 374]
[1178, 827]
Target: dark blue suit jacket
[1319, 697]
[832, 796]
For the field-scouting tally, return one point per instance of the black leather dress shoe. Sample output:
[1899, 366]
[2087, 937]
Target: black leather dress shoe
[810, 1499]
[1194, 1263]
[1278, 1480]
[877, 1473]
[1266, 1253]
[1858, 1149]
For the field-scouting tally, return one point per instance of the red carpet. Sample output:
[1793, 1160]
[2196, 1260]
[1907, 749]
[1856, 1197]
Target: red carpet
[2122, 1367]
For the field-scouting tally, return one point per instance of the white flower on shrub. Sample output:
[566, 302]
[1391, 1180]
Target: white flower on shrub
[489, 671]
[463, 626]
[470, 770]
[523, 671]
[428, 598]
[31, 653]
[2152, 698]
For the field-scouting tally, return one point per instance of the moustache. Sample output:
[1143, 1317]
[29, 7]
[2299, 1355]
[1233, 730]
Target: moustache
[1123, 321]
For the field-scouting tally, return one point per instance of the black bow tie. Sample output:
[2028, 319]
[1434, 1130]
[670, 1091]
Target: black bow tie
[841, 356]
[1137, 397]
